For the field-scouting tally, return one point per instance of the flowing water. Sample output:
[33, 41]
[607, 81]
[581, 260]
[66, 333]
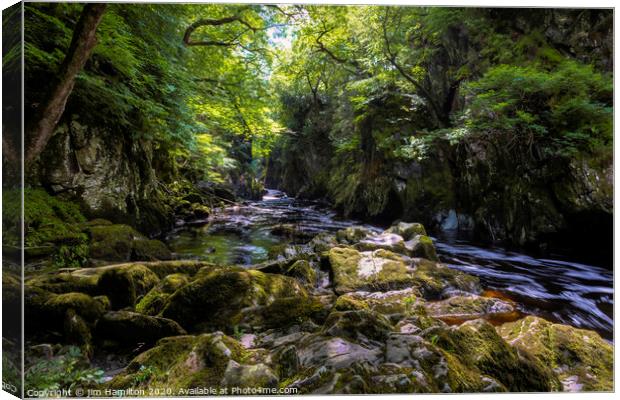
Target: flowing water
[562, 291]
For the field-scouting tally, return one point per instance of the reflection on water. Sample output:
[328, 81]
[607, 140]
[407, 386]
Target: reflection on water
[568, 292]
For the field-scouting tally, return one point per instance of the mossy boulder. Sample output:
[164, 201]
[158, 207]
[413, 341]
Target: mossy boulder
[580, 358]
[117, 242]
[226, 297]
[186, 363]
[408, 230]
[387, 241]
[303, 271]
[249, 376]
[382, 270]
[84, 305]
[127, 328]
[352, 234]
[477, 345]
[375, 270]
[149, 250]
[153, 302]
[422, 246]
[436, 280]
[394, 304]
[357, 325]
[125, 284]
[111, 242]
[462, 308]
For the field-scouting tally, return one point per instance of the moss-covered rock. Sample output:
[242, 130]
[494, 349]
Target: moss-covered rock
[580, 358]
[395, 304]
[186, 363]
[302, 271]
[387, 241]
[422, 246]
[153, 302]
[357, 325]
[83, 305]
[382, 270]
[149, 250]
[248, 376]
[224, 298]
[352, 234]
[408, 230]
[462, 308]
[477, 345]
[111, 242]
[127, 328]
[125, 284]
[117, 242]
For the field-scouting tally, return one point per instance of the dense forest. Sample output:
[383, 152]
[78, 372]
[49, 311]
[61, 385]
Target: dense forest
[142, 120]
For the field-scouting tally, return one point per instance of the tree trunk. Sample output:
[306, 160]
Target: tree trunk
[82, 43]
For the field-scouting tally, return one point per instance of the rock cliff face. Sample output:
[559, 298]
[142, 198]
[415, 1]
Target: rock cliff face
[110, 174]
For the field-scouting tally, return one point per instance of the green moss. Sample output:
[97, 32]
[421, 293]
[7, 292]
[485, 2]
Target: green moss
[407, 230]
[124, 285]
[84, 305]
[184, 362]
[568, 350]
[302, 270]
[153, 302]
[477, 345]
[217, 298]
[112, 242]
[349, 303]
[149, 250]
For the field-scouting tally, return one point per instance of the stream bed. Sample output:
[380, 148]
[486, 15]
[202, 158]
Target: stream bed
[559, 290]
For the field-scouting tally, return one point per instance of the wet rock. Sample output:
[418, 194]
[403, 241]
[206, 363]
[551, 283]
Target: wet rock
[383, 270]
[470, 307]
[422, 246]
[352, 234]
[407, 230]
[580, 358]
[386, 241]
[249, 376]
[129, 328]
[477, 345]
[334, 352]
[361, 326]
[394, 304]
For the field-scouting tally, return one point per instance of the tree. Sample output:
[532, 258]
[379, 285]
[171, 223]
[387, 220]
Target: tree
[82, 43]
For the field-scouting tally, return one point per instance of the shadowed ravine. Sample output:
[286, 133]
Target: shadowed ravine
[562, 291]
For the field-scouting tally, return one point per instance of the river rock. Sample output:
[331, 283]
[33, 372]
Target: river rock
[128, 328]
[125, 284]
[407, 230]
[581, 358]
[421, 246]
[184, 363]
[227, 297]
[470, 307]
[382, 270]
[386, 241]
[153, 302]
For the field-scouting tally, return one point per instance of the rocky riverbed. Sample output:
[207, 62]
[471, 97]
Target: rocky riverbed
[358, 310]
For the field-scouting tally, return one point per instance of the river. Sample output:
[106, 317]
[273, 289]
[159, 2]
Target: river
[562, 291]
